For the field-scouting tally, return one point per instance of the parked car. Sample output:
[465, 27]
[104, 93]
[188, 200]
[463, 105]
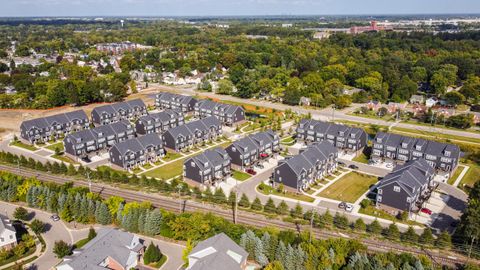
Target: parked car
[55, 217]
[260, 166]
[263, 155]
[389, 165]
[426, 211]
[348, 207]
[353, 166]
[251, 171]
[341, 163]
[342, 205]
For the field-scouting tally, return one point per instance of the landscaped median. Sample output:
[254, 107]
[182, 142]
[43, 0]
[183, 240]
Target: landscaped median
[24, 146]
[268, 190]
[349, 188]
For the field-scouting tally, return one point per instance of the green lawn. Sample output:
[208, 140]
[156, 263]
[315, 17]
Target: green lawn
[147, 166]
[64, 159]
[362, 158]
[268, 190]
[59, 145]
[379, 213]
[240, 176]
[168, 171]
[455, 175]
[288, 141]
[349, 188]
[171, 156]
[81, 243]
[435, 135]
[472, 176]
[24, 146]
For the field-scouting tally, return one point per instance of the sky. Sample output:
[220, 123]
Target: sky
[20, 8]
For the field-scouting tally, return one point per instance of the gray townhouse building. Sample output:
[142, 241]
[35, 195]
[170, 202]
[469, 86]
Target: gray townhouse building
[253, 148]
[345, 138]
[193, 133]
[208, 168]
[185, 104]
[227, 114]
[297, 173]
[394, 148]
[217, 253]
[406, 187]
[111, 113]
[85, 142]
[159, 122]
[137, 151]
[43, 129]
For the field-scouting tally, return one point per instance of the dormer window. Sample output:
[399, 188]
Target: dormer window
[447, 153]
[379, 140]
[418, 147]
[404, 145]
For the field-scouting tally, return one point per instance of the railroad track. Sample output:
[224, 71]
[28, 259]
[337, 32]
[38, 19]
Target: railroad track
[178, 205]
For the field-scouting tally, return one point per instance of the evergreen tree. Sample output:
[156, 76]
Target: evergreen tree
[392, 232]
[297, 212]
[153, 222]
[71, 170]
[270, 206]
[20, 213]
[281, 252]
[418, 265]
[119, 216]
[141, 222]
[244, 202]
[219, 196]
[360, 225]
[61, 249]
[340, 221]
[91, 233]
[444, 240]
[426, 238]
[102, 214]
[232, 197]
[374, 227]
[257, 205]
[152, 254]
[282, 208]
[260, 257]
[410, 235]
[326, 220]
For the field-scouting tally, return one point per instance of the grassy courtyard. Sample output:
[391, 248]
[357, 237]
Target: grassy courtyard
[58, 145]
[454, 177]
[349, 188]
[362, 158]
[470, 177]
[24, 146]
[167, 171]
[240, 176]
[65, 159]
[268, 190]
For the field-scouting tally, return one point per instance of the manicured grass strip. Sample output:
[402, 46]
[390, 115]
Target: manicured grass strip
[434, 135]
[471, 177]
[81, 243]
[147, 166]
[167, 171]
[64, 159]
[24, 146]
[455, 175]
[268, 190]
[161, 262]
[171, 156]
[349, 188]
[240, 176]
[58, 145]
[379, 213]
[362, 158]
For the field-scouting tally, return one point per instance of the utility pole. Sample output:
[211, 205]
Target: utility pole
[471, 247]
[89, 182]
[311, 225]
[236, 203]
[333, 113]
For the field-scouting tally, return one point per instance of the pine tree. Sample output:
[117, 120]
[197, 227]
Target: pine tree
[232, 197]
[91, 211]
[340, 221]
[119, 216]
[152, 254]
[153, 222]
[244, 201]
[281, 252]
[374, 227]
[102, 215]
[326, 220]
[444, 240]
[257, 205]
[270, 206]
[91, 233]
[426, 238]
[418, 265]
[219, 196]
[260, 257]
[360, 225]
[392, 232]
[297, 212]
[141, 222]
[71, 170]
[282, 208]
[410, 235]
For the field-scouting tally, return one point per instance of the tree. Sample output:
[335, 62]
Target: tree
[275, 265]
[374, 227]
[37, 226]
[392, 232]
[186, 251]
[454, 98]
[270, 206]
[426, 238]
[257, 205]
[461, 121]
[152, 254]
[244, 202]
[20, 213]
[282, 208]
[340, 221]
[225, 87]
[61, 249]
[360, 225]
[326, 220]
[91, 233]
[444, 240]
[410, 235]
[102, 214]
[342, 102]
[153, 222]
[219, 196]
[297, 212]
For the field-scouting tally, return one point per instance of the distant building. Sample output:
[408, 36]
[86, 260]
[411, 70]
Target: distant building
[345, 138]
[120, 48]
[227, 114]
[417, 99]
[304, 101]
[394, 107]
[208, 168]
[43, 129]
[374, 27]
[299, 172]
[183, 103]
[430, 102]
[111, 113]
[406, 187]
[374, 105]
[137, 151]
[110, 249]
[217, 253]
[8, 234]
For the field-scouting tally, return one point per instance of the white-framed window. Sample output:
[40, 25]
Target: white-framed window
[192, 164]
[379, 198]
[380, 191]
[396, 188]
[409, 200]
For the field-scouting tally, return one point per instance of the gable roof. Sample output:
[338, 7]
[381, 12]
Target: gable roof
[217, 253]
[317, 152]
[171, 97]
[138, 144]
[210, 158]
[57, 119]
[189, 128]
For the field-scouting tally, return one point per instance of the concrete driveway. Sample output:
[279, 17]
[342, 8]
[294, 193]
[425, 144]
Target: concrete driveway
[55, 231]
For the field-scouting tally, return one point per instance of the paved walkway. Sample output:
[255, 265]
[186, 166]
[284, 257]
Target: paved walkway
[461, 175]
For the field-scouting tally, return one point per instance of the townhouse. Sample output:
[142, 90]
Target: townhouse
[227, 114]
[217, 253]
[208, 168]
[137, 151]
[406, 187]
[297, 173]
[81, 144]
[394, 148]
[347, 139]
[52, 127]
[8, 234]
[193, 133]
[253, 148]
[185, 104]
[111, 113]
[159, 122]
[110, 249]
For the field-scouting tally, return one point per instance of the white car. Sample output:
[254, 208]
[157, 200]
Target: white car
[349, 207]
[389, 165]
